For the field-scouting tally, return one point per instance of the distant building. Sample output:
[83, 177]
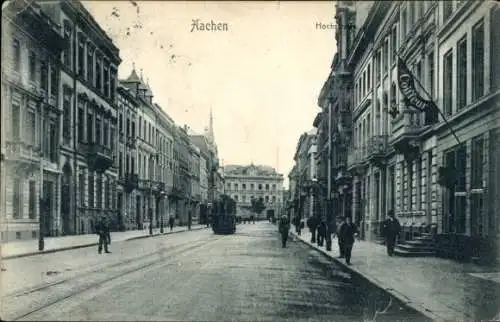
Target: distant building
[244, 183]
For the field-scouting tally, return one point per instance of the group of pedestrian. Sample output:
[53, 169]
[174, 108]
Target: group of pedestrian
[346, 232]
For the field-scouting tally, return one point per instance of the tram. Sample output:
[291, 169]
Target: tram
[224, 216]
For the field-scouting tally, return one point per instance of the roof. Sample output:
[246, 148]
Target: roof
[250, 170]
[133, 78]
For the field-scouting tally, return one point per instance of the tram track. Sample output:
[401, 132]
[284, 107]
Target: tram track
[24, 304]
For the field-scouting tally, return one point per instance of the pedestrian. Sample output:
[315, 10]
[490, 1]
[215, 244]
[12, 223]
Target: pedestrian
[339, 240]
[102, 230]
[348, 231]
[284, 227]
[321, 233]
[190, 218]
[312, 225]
[252, 219]
[331, 229]
[171, 222]
[391, 230]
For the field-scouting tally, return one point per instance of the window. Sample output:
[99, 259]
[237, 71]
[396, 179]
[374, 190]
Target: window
[260, 186]
[363, 85]
[90, 64]
[411, 14]
[67, 118]
[91, 189]
[477, 158]
[274, 187]
[32, 200]
[120, 124]
[107, 193]
[15, 121]
[32, 66]
[386, 56]
[462, 73]
[106, 81]
[477, 214]
[98, 137]
[430, 69]
[17, 199]
[81, 56]
[98, 192]
[274, 199]
[16, 54]
[461, 165]
[81, 114]
[267, 186]
[30, 127]
[267, 199]
[244, 186]
[112, 84]
[90, 121]
[44, 76]
[448, 81]
[251, 186]
[368, 78]
[53, 142]
[112, 133]
[133, 129]
[53, 80]
[403, 26]
[478, 61]
[447, 9]
[394, 45]
[105, 135]
[98, 72]
[120, 164]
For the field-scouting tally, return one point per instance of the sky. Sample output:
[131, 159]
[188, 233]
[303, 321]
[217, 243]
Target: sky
[261, 77]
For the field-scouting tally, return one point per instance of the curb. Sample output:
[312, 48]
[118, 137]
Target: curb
[160, 234]
[55, 250]
[406, 301]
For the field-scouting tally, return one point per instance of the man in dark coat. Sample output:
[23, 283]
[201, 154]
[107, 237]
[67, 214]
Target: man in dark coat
[347, 234]
[339, 240]
[102, 230]
[284, 227]
[171, 222]
[321, 233]
[391, 228]
[331, 229]
[312, 225]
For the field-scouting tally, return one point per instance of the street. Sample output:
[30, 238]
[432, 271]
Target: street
[193, 276]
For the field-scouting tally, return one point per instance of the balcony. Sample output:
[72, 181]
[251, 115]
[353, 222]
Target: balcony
[343, 178]
[356, 160]
[24, 156]
[131, 142]
[377, 150]
[406, 132]
[100, 157]
[131, 182]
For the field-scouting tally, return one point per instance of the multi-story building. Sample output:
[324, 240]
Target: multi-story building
[202, 143]
[128, 179]
[293, 204]
[89, 65]
[244, 183]
[408, 160]
[165, 141]
[194, 166]
[150, 190]
[184, 175]
[31, 125]
[307, 186]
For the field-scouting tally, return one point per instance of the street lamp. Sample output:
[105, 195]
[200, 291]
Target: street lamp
[162, 195]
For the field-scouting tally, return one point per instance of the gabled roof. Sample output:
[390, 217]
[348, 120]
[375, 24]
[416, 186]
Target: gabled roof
[133, 78]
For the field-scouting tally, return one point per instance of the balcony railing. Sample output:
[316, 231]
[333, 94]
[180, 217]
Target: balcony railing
[23, 154]
[377, 147]
[355, 156]
[409, 122]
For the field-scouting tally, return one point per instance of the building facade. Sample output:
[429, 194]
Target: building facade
[436, 180]
[244, 183]
[89, 65]
[31, 124]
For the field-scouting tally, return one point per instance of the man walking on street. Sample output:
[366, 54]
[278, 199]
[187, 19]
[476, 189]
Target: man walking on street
[284, 227]
[321, 233]
[312, 225]
[331, 229]
[171, 222]
[391, 228]
[102, 230]
[347, 234]
[341, 244]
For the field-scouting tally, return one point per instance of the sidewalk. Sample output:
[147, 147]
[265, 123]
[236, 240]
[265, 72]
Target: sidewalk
[24, 248]
[441, 289]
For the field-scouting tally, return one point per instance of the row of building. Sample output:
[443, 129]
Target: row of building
[374, 149]
[78, 144]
